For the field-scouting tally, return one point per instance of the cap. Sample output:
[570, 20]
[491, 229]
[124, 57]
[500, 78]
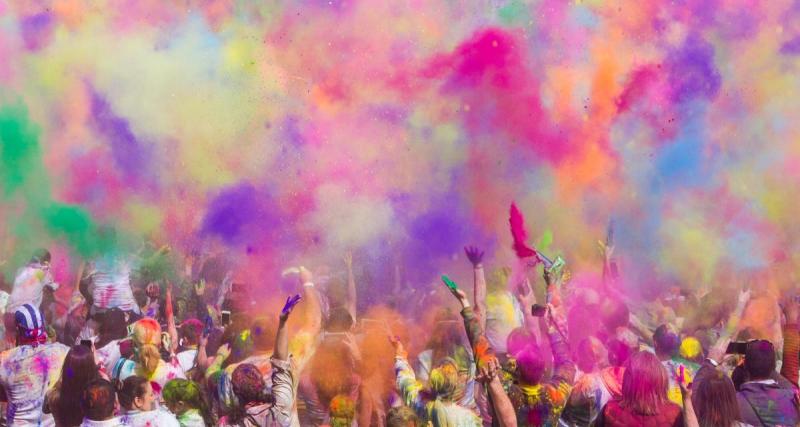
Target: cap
[29, 321]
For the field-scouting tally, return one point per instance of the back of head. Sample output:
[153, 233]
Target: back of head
[98, 400]
[339, 320]
[518, 339]
[181, 390]
[79, 370]
[30, 325]
[40, 256]
[590, 354]
[402, 416]
[666, 341]
[530, 365]
[759, 360]
[618, 352]
[342, 411]
[444, 380]
[644, 385]
[190, 331]
[146, 342]
[615, 314]
[134, 386]
[248, 384]
[714, 400]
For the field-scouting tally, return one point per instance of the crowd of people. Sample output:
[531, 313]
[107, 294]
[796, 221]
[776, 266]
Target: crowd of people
[135, 349]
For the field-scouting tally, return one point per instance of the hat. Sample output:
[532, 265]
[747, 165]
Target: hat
[29, 321]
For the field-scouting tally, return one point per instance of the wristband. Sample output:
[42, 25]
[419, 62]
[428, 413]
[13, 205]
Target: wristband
[712, 361]
[308, 284]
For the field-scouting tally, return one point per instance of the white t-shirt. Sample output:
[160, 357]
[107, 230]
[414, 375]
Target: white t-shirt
[27, 373]
[29, 284]
[154, 418]
[111, 283]
[187, 359]
[108, 355]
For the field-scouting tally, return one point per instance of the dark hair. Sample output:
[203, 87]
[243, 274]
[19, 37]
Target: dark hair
[97, 401]
[759, 359]
[714, 400]
[644, 384]
[402, 416]
[140, 296]
[112, 327]
[189, 331]
[79, 369]
[248, 386]
[665, 341]
[41, 255]
[339, 320]
[618, 352]
[739, 376]
[614, 314]
[134, 386]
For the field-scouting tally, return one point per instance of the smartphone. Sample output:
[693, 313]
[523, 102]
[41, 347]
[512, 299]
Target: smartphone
[225, 317]
[736, 347]
[538, 310]
[86, 343]
[208, 326]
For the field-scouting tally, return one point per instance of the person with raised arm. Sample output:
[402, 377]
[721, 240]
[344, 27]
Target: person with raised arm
[487, 363]
[255, 408]
[539, 400]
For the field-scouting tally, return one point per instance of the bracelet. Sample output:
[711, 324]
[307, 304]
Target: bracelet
[308, 285]
[712, 361]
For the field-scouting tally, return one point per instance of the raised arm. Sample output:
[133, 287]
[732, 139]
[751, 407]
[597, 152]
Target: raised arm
[487, 363]
[350, 304]
[282, 379]
[282, 339]
[314, 312]
[791, 341]
[170, 315]
[475, 256]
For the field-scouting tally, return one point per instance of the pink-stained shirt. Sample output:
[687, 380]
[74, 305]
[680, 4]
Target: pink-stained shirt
[29, 285]
[26, 374]
[111, 283]
[165, 372]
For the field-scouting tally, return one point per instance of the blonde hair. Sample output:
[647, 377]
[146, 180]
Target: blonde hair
[443, 383]
[146, 342]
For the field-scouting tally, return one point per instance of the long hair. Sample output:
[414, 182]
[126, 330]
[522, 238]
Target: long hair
[188, 392]
[146, 341]
[79, 369]
[443, 383]
[714, 400]
[248, 387]
[644, 385]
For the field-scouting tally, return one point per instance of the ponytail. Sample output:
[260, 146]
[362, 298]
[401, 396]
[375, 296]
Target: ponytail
[148, 357]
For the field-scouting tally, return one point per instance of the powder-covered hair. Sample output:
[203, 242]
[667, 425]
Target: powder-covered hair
[146, 342]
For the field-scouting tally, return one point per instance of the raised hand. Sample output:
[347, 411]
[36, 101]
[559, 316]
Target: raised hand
[305, 275]
[474, 254]
[399, 350]
[289, 306]
[458, 293]
[200, 287]
[348, 259]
